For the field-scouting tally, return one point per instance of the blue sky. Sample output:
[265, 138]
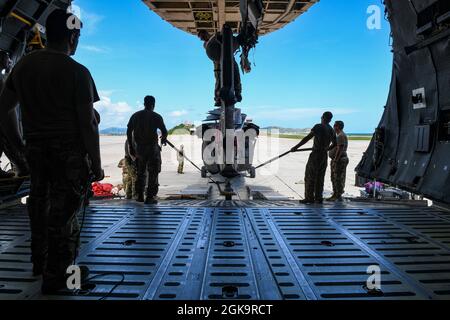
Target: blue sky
[326, 59]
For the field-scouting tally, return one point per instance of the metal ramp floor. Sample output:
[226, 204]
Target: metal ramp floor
[192, 250]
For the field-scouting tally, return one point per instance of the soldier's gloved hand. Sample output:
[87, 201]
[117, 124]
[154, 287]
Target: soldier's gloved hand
[164, 141]
[98, 174]
[294, 149]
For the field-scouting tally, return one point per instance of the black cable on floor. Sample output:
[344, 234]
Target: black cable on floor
[88, 187]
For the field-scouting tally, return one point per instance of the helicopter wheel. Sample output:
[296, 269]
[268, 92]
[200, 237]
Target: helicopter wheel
[204, 172]
[252, 172]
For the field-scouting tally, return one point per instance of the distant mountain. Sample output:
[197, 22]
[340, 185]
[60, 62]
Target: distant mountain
[114, 131]
[287, 130]
[184, 128]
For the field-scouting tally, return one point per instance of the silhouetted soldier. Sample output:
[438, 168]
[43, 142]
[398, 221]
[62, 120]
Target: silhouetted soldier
[316, 168]
[144, 147]
[213, 47]
[56, 96]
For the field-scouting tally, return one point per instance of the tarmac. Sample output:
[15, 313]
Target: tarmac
[285, 176]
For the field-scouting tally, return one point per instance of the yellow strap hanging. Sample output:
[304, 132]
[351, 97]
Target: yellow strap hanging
[20, 18]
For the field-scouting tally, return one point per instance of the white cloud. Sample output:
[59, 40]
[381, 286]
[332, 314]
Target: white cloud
[113, 114]
[94, 49]
[178, 113]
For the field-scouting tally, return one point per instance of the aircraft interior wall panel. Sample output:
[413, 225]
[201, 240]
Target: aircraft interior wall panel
[419, 162]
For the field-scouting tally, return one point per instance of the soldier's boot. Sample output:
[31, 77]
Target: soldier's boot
[306, 201]
[151, 201]
[333, 198]
[140, 188]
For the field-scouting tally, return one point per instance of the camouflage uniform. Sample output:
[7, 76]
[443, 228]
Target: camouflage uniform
[338, 176]
[180, 158]
[129, 175]
[60, 177]
[339, 167]
[181, 167]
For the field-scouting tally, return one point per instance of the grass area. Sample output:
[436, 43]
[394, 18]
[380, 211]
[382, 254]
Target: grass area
[300, 137]
[180, 132]
[360, 138]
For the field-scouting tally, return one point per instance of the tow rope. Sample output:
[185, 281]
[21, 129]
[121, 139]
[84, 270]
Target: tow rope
[281, 156]
[218, 183]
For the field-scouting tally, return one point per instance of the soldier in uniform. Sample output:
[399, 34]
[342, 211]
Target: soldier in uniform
[316, 168]
[129, 173]
[213, 47]
[56, 96]
[180, 158]
[143, 144]
[339, 162]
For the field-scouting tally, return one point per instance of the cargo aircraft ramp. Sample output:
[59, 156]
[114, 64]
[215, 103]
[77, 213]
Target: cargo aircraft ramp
[249, 250]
